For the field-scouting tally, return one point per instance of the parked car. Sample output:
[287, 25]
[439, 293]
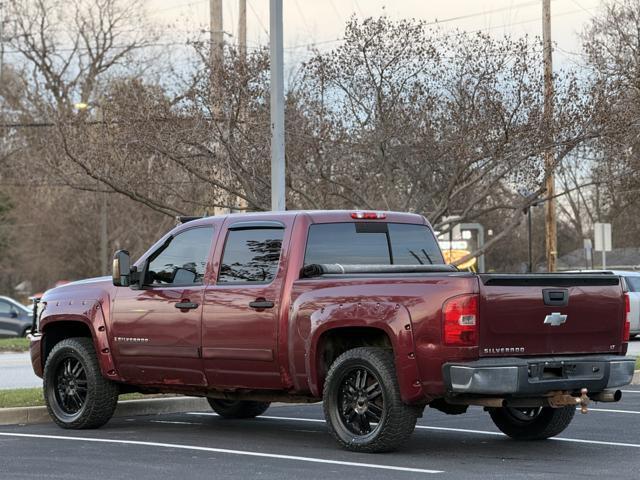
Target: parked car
[354, 309]
[632, 280]
[15, 318]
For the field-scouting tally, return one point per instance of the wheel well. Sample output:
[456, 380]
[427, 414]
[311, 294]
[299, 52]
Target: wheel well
[335, 342]
[58, 331]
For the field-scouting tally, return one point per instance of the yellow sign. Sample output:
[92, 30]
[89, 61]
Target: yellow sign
[451, 256]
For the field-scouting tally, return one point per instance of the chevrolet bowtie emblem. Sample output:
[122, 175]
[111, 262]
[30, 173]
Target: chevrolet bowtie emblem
[555, 319]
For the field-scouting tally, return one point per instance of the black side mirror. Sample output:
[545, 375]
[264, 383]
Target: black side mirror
[121, 268]
[13, 314]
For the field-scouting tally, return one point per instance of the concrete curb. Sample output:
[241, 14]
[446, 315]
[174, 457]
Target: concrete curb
[636, 378]
[152, 406]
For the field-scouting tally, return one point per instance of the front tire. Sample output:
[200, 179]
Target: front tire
[238, 408]
[76, 393]
[532, 423]
[362, 402]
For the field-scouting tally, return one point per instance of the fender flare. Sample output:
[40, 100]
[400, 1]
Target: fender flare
[90, 315]
[391, 318]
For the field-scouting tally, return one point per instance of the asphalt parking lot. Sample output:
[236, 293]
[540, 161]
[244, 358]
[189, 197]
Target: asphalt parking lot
[291, 442]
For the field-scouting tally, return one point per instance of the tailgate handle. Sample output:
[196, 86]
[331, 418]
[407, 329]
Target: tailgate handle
[555, 298]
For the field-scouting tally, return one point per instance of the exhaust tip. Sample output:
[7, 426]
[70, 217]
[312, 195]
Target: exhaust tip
[608, 396]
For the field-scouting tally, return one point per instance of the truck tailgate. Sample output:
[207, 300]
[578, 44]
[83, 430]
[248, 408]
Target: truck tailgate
[547, 314]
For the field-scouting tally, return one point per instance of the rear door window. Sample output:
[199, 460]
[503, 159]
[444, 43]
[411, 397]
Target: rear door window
[251, 256]
[371, 243]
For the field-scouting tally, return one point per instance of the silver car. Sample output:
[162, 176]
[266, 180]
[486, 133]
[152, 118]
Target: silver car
[15, 318]
[632, 279]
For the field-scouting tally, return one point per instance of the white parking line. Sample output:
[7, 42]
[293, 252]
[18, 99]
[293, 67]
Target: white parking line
[174, 423]
[223, 450]
[448, 429]
[630, 391]
[557, 439]
[609, 410]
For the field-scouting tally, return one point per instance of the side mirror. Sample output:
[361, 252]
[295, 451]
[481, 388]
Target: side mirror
[13, 314]
[121, 268]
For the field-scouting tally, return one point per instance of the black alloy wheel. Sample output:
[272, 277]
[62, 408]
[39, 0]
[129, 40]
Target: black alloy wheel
[76, 393]
[70, 386]
[361, 401]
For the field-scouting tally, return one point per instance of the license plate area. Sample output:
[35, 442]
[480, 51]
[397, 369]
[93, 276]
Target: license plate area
[561, 370]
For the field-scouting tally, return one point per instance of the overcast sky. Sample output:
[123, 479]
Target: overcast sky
[321, 22]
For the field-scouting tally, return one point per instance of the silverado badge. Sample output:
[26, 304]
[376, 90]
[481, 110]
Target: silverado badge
[555, 319]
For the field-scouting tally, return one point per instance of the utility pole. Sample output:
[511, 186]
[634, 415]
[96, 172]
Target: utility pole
[551, 240]
[242, 29]
[216, 53]
[1, 41]
[277, 107]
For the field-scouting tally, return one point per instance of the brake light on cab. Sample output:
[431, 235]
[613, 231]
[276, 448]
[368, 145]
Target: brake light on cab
[627, 321]
[460, 321]
[368, 215]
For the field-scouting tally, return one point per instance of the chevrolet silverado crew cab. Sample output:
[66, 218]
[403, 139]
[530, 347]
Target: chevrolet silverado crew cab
[354, 309]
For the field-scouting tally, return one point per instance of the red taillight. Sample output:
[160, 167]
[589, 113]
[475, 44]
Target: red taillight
[368, 215]
[460, 320]
[627, 322]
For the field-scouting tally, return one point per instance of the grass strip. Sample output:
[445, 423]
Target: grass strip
[32, 397]
[18, 344]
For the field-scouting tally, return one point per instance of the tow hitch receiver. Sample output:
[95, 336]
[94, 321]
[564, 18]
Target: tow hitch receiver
[562, 399]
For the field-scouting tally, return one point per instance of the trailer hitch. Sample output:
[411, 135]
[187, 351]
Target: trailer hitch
[562, 399]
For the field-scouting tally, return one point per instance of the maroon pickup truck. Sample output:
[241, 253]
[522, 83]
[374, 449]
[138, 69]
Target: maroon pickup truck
[355, 309]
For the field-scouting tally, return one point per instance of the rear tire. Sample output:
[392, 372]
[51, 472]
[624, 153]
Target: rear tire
[238, 408]
[76, 393]
[362, 403]
[532, 423]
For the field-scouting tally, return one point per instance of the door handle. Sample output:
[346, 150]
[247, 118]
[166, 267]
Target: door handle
[186, 305]
[260, 303]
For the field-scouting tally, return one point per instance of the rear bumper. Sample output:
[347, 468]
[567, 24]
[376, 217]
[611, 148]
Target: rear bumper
[538, 375]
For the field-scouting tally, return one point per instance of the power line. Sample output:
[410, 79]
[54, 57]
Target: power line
[323, 42]
[488, 12]
[485, 29]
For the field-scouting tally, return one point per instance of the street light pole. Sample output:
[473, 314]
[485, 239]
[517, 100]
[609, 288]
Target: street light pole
[104, 205]
[530, 239]
[277, 107]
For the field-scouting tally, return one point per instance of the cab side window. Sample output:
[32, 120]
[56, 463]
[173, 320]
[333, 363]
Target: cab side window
[5, 309]
[251, 256]
[183, 260]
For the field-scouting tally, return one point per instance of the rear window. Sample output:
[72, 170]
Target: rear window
[365, 243]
